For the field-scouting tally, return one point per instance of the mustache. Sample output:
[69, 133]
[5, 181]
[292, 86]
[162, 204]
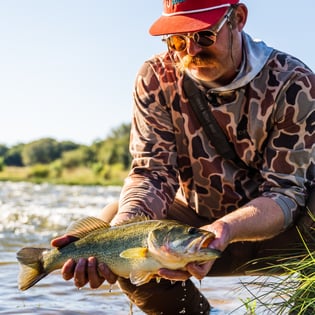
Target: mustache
[201, 59]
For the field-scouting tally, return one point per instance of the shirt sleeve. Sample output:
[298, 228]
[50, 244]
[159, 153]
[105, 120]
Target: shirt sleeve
[289, 166]
[153, 180]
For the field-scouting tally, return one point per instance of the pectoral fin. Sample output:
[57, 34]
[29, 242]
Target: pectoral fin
[134, 253]
[139, 277]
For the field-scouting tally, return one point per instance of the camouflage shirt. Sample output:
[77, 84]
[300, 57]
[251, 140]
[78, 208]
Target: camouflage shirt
[267, 112]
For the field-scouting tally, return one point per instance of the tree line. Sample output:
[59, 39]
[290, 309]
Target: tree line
[48, 157]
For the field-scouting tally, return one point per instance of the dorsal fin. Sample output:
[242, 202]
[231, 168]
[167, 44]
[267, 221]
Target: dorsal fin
[135, 219]
[85, 226]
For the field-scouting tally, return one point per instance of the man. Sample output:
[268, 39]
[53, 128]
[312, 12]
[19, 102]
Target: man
[263, 100]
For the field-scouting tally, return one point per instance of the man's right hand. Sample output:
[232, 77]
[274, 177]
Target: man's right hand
[84, 270]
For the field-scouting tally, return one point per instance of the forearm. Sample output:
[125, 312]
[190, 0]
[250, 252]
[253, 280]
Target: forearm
[261, 219]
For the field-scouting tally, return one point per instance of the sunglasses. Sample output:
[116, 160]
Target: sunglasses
[206, 38]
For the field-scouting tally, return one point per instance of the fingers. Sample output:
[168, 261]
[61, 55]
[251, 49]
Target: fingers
[95, 279]
[106, 273]
[87, 270]
[80, 273]
[175, 275]
[222, 232]
[67, 270]
[63, 240]
[199, 271]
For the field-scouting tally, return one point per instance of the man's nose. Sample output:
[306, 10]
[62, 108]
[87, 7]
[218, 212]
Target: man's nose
[192, 47]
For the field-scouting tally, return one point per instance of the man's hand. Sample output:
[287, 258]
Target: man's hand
[199, 271]
[85, 270]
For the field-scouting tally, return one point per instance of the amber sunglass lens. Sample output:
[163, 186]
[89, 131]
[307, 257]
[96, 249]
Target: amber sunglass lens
[177, 42]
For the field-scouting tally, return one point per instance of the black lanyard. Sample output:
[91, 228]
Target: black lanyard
[211, 127]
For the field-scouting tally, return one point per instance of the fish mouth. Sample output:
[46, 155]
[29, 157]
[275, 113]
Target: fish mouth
[205, 242]
[200, 243]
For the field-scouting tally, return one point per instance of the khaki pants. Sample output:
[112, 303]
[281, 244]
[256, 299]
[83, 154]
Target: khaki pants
[169, 298]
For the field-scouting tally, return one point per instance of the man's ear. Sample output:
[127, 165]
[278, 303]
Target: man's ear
[240, 16]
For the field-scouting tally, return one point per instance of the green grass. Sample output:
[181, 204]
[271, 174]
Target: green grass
[293, 291]
[74, 176]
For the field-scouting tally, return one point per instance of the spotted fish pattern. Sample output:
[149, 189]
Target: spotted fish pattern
[270, 121]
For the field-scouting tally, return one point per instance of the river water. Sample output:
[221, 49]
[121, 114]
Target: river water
[33, 214]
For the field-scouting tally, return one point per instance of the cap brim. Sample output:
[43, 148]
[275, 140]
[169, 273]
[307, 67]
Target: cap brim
[186, 23]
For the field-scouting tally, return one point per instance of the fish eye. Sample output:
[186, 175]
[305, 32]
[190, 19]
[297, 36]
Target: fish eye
[193, 230]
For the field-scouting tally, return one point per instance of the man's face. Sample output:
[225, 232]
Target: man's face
[212, 64]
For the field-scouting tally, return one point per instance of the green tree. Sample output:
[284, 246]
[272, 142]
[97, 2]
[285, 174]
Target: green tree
[1, 163]
[13, 157]
[82, 156]
[42, 151]
[115, 148]
[3, 149]
[68, 146]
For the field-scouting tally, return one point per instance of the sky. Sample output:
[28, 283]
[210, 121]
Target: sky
[67, 67]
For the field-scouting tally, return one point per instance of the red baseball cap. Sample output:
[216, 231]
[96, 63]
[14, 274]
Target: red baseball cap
[185, 16]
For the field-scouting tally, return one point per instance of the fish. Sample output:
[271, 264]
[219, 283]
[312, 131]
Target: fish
[134, 250]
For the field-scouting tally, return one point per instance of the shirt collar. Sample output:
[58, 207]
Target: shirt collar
[255, 56]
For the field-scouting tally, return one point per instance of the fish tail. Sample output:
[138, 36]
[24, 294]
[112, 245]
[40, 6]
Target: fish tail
[31, 266]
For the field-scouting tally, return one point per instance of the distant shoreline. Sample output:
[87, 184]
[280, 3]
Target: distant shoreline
[76, 176]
